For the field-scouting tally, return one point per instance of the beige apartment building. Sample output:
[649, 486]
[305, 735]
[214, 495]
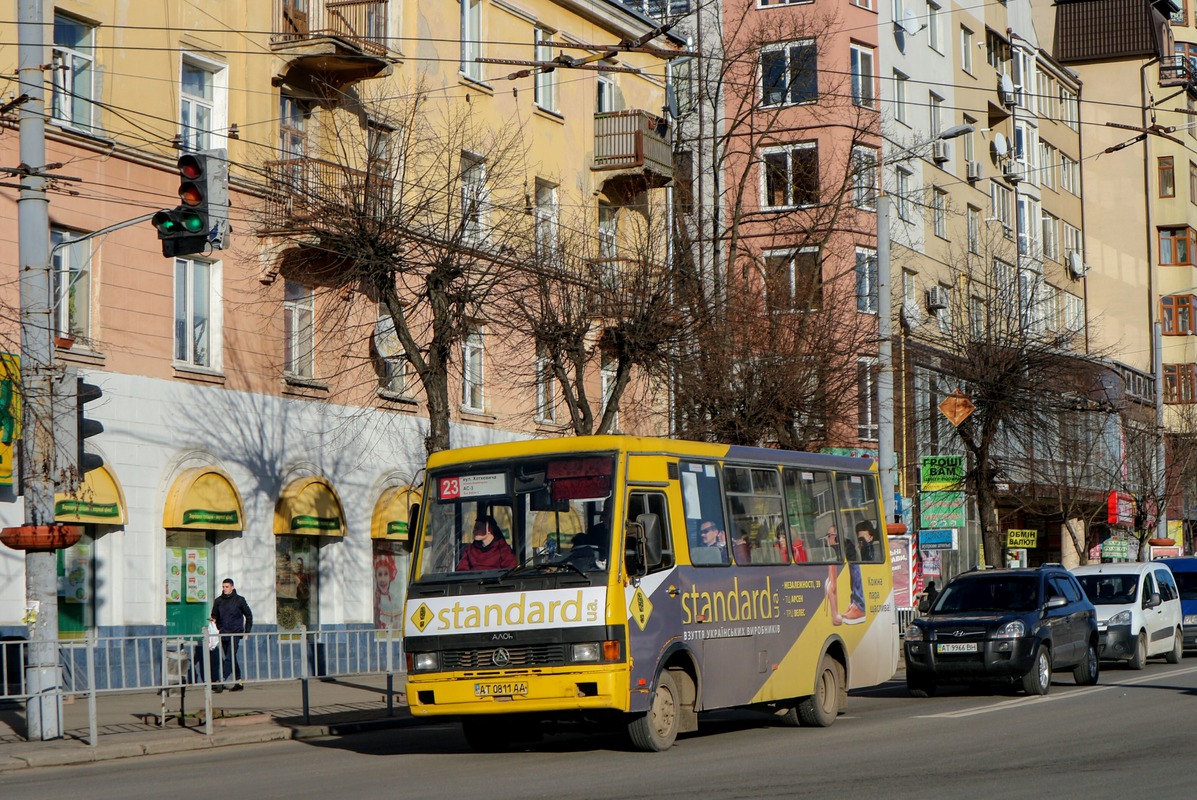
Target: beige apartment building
[262, 418]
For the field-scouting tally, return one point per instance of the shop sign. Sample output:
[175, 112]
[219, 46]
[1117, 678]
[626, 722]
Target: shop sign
[1121, 509]
[941, 510]
[1022, 538]
[937, 539]
[941, 472]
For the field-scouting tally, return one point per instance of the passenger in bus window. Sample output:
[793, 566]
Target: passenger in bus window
[866, 535]
[712, 545]
[489, 549]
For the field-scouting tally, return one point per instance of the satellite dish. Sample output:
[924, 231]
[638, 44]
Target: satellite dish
[1076, 264]
[671, 101]
[910, 23]
[1006, 87]
[1000, 147]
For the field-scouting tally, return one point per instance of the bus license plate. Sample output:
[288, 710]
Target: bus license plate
[499, 689]
[956, 647]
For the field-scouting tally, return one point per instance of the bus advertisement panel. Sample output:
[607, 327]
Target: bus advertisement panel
[644, 581]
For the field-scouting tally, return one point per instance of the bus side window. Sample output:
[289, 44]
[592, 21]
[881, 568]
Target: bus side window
[810, 515]
[863, 540]
[656, 504]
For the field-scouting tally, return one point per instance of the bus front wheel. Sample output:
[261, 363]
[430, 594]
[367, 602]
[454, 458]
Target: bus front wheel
[820, 709]
[656, 730]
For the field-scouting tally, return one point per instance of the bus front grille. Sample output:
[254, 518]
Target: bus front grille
[543, 655]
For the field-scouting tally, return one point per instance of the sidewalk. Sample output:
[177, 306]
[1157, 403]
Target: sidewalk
[128, 722]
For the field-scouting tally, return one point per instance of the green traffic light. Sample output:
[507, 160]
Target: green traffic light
[192, 222]
[165, 222]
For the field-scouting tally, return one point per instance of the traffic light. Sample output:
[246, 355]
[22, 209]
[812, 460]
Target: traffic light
[202, 218]
[72, 428]
[85, 393]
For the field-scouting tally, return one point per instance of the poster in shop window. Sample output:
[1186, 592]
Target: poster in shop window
[174, 574]
[197, 575]
[76, 574]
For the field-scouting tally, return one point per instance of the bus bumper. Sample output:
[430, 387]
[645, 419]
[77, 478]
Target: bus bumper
[441, 694]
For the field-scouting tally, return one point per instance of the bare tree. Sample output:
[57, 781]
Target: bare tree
[417, 204]
[1137, 473]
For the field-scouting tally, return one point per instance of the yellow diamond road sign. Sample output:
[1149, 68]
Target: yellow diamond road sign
[641, 608]
[422, 617]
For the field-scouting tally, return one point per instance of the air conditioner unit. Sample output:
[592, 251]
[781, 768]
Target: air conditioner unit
[1076, 264]
[1007, 92]
[1012, 171]
[974, 170]
[937, 298]
[940, 152]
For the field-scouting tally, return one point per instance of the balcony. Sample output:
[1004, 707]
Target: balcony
[310, 195]
[1178, 71]
[332, 42]
[633, 149]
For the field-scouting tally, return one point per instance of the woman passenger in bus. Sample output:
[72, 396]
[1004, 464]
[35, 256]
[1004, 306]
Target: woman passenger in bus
[489, 549]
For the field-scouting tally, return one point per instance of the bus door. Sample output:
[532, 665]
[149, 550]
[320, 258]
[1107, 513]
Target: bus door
[655, 601]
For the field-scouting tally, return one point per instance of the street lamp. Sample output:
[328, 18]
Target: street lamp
[885, 335]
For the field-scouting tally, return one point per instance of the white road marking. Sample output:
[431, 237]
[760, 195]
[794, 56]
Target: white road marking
[1023, 701]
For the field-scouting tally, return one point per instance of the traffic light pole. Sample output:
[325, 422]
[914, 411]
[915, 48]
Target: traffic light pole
[44, 712]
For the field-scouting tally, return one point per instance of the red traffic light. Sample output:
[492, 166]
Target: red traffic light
[190, 167]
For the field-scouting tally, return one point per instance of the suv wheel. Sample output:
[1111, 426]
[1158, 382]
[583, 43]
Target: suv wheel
[1038, 679]
[1139, 659]
[1085, 673]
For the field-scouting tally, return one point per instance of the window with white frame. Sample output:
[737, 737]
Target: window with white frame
[939, 212]
[1052, 308]
[1026, 150]
[197, 313]
[471, 372]
[791, 176]
[968, 143]
[863, 76]
[608, 231]
[1074, 313]
[997, 52]
[789, 73]
[900, 106]
[864, 178]
[293, 116]
[604, 94]
[1051, 236]
[903, 196]
[393, 375]
[966, 50]
[943, 316]
[1030, 227]
[73, 76]
[793, 280]
[546, 387]
[680, 73]
[1072, 241]
[910, 289]
[866, 280]
[868, 417]
[974, 229]
[71, 261]
[202, 99]
[1048, 157]
[546, 219]
[1023, 64]
[1000, 198]
[608, 372]
[977, 318]
[1005, 286]
[934, 34]
[471, 41]
[545, 90]
[1069, 176]
[935, 104]
[299, 330]
[474, 199]
[1049, 100]
[1030, 299]
[1069, 111]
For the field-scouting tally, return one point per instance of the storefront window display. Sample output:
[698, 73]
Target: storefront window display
[296, 586]
[389, 571]
[77, 587]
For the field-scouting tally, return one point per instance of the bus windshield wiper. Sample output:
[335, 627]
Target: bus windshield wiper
[553, 566]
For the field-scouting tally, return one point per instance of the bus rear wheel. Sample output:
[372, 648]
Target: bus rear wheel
[656, 730]
[821, 708]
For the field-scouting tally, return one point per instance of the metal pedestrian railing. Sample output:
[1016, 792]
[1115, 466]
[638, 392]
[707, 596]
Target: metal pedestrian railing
[98, 665]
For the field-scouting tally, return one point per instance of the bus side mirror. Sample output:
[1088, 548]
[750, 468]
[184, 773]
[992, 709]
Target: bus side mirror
[413, 517]
[635, 553]
[650, 524]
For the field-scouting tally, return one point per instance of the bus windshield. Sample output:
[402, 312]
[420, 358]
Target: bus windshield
[546, 515]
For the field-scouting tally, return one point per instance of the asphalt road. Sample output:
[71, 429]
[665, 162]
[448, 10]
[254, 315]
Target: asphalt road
[1127, 736]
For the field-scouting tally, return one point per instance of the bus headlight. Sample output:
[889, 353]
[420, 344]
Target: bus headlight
[423, 662]
[586, 652]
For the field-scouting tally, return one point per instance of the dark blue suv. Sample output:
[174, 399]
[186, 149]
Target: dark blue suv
[1006, 625]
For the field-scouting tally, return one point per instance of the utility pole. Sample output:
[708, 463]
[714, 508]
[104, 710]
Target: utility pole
[44, 712]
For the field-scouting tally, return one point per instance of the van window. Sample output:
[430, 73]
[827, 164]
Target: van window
[1168, 589]
[1186, 583]
[1148, 588]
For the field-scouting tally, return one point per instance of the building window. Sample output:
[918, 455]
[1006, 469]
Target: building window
[1029, 285]
[900, 111]
[546, 388]
[943, 315]
[863, 76]
[793, 281]
[866, 4]
[864, 178]
[546, 219]
[1048, 156]
[1030, 226]
[680, 74]
[1166, 172]
[1072, 241]
[392, 374]
[966, 50]
[977, 318]
[867, 406]
[546, 79]
[1176, 245]
[1051, 236]
[474, 199]
[296, 581]
[608, 232]
[969, 143]
[866, 280]
[201, 112]
[1193, 183]
[471, 372]
[935, 104]
[299, 330]
[1180, 383]
[996, 52]
[903, 195]
[999, 206]
[789, 73]
[471, 42]
[1069, 112]
[791, 176]
[1176, 314]
[604, 94]
[608, 370]
[71, 262]
[974, 229]
[293, 115]
[197, 313]
[934, 35]
[939, 212]
[73, 72]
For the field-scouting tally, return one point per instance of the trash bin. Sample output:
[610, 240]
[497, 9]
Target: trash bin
[12, 665]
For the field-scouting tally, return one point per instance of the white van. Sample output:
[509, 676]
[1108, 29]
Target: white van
[1138, 611]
